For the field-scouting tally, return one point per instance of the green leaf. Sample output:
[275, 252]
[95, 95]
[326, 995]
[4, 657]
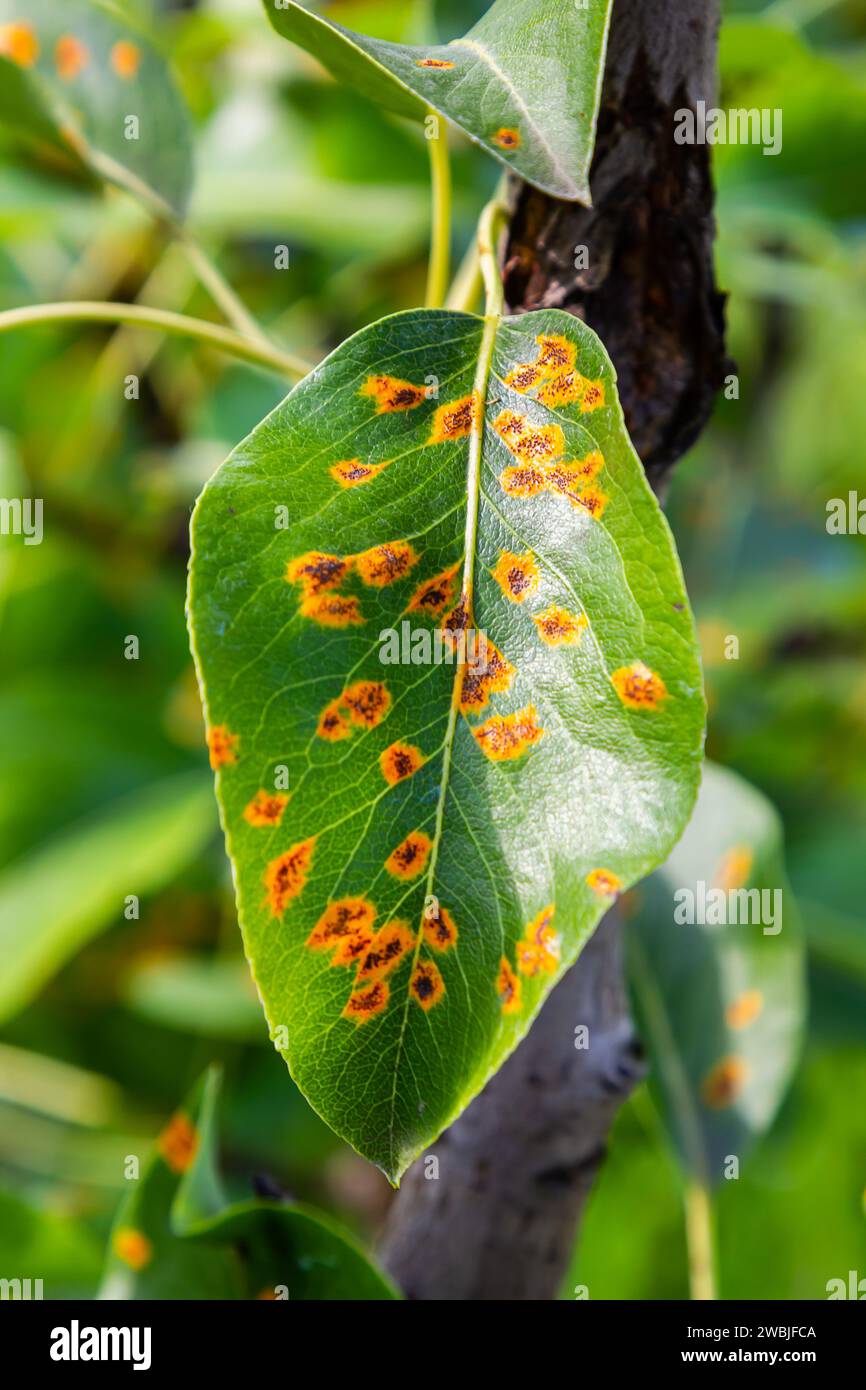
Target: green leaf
[57, 897]
[525, 81]
[174, 1236]
[214, 998]
[532, 806]
[72, 76]
[721, 1007]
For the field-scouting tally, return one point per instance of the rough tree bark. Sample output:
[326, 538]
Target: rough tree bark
[516, 1168]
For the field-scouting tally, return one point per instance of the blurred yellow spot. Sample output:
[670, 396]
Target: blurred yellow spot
[507, 138]
[639, 687]
[743, 1010]
[724, 1082]
[178, 1143]
[126, 58]
[19, 44]
[540, 948]
[70, 57]
[266, 808]
[508, 988]
[604, 882]
[734, 868]
[221, 746]
[132, 1247]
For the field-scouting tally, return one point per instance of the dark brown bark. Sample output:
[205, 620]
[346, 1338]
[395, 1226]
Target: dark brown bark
[516, 1168]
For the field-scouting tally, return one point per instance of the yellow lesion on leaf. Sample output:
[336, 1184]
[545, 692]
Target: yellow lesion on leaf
[516, 575]
[523, 378]
[604, 882]
[286, 875]
[222, 746]
[388, 947]
[591, 499]
[392, 393]
[333, 724]
[508, 987]
[367, 702]
[639, 687]
[565, 388]
[125, 58]
[510, 425]
[345, 928]
[557, 627]
[724, 1082]
[487, 672]
[317, 571]
[556, 353]
[178, 1143]
[367, 1002]
[439, 928]
[399, 761]
[540, 947]
[433, 63]
[266, 808]
[132, 1247]
[385, 564]
[507, 138]
[745, 1009]
[352, 472]
[593, 397]
[70, 57]
[411, 855]
[734, 868]
[426, 985]
[332, 610]
[455, 419]
[539, 445]
[18, 43]
[569, 475]
[434, 595]
[526, 480]
[506, 736]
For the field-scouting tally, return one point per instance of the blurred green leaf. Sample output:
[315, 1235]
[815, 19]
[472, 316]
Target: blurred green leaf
[40, 1244]
[174, 1235]
[216, 999]
[525, 81]
[57, 897]
[74, 78]
[720, 1007]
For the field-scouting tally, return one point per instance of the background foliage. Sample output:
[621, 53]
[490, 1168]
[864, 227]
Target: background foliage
[111, 1020]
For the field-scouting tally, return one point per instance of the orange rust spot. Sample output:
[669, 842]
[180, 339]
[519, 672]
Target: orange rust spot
[503, 737]
[734, 868]
[516, 575]
[457, 621]
[488, 671]
[510, 426]
[541, 947]
[352, 472]
[541, 445]
[126, 58]
[410, 856]
[433, 63]
[571, 475]
[367, 1002]
[332, 610]
[744, 1009]
[555, 352]
[426, 984]
[557, 627]
[222, 746]
[70, 57]
[385, 564]
[440, 929]
[724, 1082]
[525, 481]
[455, 420]
[639, 687]
[18, 43]
[523, 378]
[591, 499]
[346, 928]
[508, 987]
[563, 389]
[266, 808]
[400, 761]
[507, 138]
[332, 725]
[593, 397]
[434, 594]
[367, 702]
[390, 393]
[388, 947]
[132, 1247]
[285, 876]
[316, 571]
[604, 882]
[178, 1143]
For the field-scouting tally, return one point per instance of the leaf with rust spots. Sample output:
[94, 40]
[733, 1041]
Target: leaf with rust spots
[721, 1003]
[525, 81]
[72, 74]
[471, 797]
